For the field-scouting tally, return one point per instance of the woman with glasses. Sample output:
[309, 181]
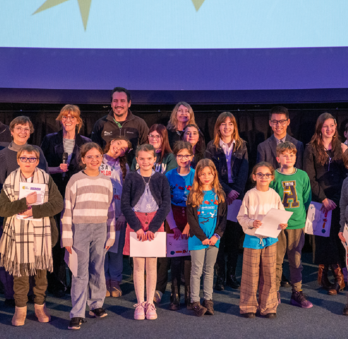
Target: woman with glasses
[29, 232]
[323, 162]
[229, 153]
[158, 138]
[62, 151]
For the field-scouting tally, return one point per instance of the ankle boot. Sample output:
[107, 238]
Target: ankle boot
[19, 316]
[41, 313]
[188, 298]
[209, 305]
[323, 279]
[339, 284]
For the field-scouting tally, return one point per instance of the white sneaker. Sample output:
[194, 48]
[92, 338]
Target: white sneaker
[139, 313]
[151, 313]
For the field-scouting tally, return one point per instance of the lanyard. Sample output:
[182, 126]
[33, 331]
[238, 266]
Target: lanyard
[118, 124]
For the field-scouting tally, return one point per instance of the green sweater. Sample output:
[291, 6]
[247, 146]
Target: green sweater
[296, 194]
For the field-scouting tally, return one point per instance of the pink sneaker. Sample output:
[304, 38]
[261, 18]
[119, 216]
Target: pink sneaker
[151, 313]
[139, 313]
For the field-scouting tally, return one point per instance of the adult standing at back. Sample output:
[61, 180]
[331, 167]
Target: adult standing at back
[62, 152]
[120, 122]
[279, 121]
[182, 115]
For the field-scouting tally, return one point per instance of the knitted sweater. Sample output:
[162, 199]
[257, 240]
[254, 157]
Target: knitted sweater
[88, 200]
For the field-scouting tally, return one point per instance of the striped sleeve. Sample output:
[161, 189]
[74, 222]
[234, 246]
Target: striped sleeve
[111, 222]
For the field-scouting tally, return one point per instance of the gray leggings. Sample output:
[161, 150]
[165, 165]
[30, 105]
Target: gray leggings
[203, 262]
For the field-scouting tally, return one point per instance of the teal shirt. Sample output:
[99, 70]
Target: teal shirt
[256, 243]
[296, 195]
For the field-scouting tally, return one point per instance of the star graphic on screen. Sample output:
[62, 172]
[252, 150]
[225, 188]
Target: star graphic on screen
[84, 5]
[198, 4]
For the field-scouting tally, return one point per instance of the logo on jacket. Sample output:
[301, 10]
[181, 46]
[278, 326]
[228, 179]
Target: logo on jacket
[107, 134]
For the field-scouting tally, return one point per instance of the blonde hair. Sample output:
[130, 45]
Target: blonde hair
[196, 195]
[74, 111]
[29, 149]
[173, 121]
[235, 135]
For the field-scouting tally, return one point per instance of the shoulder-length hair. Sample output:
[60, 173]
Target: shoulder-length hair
[123, 159]
[162, 131]
[87, 147]
[173, 120]
[317, 141]
[235, 135]
[74, 111]
[200, 146]
[196, 194]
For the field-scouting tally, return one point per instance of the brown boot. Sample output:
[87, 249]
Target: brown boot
[339, 284]
[209, 305]
[323, 279]
[199, 309]
[108, 288]
[19, 316]
[115, 289]
[41, 313]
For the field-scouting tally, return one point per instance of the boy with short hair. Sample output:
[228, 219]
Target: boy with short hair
[293, 186]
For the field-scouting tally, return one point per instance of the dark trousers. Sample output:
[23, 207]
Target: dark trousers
[179, 264]
[21, 288]
[229, 244]
[162, 274]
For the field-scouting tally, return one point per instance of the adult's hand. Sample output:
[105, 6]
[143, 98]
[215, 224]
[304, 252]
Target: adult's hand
[63, 167]
[233, 195]
[328, 205]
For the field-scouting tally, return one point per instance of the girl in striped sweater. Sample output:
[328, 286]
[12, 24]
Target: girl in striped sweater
[88, 228]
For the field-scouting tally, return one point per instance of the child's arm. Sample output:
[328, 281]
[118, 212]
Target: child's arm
[195, 229]
[111, 223]
[53, 206]
[66, 221]
[248, 224]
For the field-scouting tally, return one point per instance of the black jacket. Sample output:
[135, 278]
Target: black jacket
[53, 149]
[133, 128]
[195, 229]
[5, 134]
[239, 164]
[132, 190]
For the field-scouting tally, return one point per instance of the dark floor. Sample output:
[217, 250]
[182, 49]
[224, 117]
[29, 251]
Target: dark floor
[324, 320]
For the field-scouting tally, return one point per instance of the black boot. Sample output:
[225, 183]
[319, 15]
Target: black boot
[231, 278]
[220, 280]
[188, 298]
[174, 302]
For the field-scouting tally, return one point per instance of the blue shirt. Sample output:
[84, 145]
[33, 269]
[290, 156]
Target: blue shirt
[207, 215]
[180, 186]
[256, 243]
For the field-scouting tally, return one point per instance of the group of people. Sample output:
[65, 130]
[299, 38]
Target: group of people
[130, 181]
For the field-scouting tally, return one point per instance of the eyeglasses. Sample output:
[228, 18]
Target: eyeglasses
[182, 157]
[25, 159]
[90, 157]
[22, 129]
[279, 122]
[154, 136]
[261, 175]
[191, 133]
[65, 118]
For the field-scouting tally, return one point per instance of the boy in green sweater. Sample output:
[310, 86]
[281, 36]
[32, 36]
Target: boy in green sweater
[293, 186]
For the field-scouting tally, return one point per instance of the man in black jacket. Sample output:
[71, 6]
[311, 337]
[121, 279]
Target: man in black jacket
[120, 122]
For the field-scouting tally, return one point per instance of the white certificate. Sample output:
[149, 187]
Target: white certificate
[148, 249]
[72, 261]
[318, 222]
[25, 188]
[177, 247]
[233, 209]
[270, 223]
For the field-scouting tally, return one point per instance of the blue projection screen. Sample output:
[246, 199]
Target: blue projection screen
[174, 45]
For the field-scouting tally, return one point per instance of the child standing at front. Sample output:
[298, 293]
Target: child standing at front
[293, 186]
[88, 227]
[145, 204]
[206, 214]
[260, 253]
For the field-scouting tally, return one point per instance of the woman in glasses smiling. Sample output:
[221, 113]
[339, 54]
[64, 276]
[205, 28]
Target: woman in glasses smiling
[26, 244]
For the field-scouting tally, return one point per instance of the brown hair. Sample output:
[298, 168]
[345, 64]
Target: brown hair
[22, 120]
[180, 145]
[123, 159]
[261, 164]
[29, 149]
[235, 135]
[173, 121]
[317, 142]
[162, 131]
[74, 111]
[87, 147]
[200, 146]
[286, 146]
[195, 197]
[145, 148]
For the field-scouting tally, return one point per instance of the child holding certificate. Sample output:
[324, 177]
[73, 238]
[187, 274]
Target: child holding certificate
[88, 228]
[26, 243]
[180, 182]
[260, 253]
[114, 166]
[206, 214]
[145, 204]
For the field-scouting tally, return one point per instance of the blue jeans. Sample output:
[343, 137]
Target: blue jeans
[89, 285]
[114, 261]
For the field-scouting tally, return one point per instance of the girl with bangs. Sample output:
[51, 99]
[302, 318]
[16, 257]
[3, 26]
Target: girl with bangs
[229, 153]
[206, 215]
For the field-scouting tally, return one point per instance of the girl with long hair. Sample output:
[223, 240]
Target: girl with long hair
[206, 215]
[194, 136]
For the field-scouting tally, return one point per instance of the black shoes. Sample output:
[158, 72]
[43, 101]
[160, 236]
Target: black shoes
[98, 313]
[220, 283]
[75, 323]
[174, 302]
[271, 315]
[232, 281]
[285, 282]
[248, 315]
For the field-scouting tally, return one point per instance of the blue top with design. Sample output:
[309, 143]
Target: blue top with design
[180, 186]
[207, 215]
[256, 243]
